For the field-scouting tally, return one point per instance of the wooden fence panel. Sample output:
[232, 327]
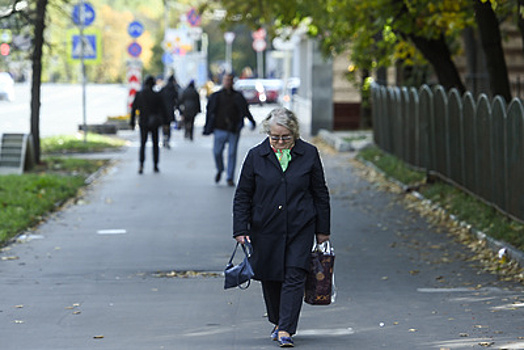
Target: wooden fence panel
[484, 148]
[440, 124]
[424, 119]
[515, 160]
[498, 139]
[456, 138]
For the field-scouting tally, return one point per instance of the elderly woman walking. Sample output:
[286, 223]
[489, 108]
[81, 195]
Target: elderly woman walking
[281, 205]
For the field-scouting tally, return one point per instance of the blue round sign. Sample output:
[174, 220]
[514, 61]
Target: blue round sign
[167, 58]
[135, 29]
[88, 15]
[134, 49]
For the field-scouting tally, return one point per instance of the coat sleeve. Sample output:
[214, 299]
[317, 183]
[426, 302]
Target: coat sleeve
[210, 115]
[242, 202]
[134, 107]
[320, 194]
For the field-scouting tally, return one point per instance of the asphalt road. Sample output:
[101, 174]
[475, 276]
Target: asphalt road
[61, 109]
[98, 273]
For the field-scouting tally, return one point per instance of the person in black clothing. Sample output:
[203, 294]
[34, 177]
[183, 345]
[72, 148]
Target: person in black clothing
[170, 94]
[190, 106]
[152, 114]
[226, 110]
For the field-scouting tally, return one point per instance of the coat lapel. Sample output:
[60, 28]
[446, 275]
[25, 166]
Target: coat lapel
[267, 151]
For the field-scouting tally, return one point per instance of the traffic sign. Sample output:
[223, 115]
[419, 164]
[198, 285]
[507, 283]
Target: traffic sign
[6, 36]
[89, 14]
[167, 58]
[4, 49]
[134, 49]
[193, 18]
[259, 34]
[90, 47]
[135, 29]
[259, 45]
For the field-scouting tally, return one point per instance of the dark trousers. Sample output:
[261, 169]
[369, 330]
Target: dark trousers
[284, 299]
[166, 131]
[189, 123]
[144, 132]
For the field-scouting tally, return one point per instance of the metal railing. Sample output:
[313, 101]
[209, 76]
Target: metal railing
[477, 144]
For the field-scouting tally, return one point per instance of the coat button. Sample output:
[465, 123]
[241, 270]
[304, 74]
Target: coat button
[279, 207]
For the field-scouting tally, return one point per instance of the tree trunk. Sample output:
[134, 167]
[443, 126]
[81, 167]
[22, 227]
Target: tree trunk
[490, 37]
[41, 6]
[365, 106]
[520, 20]
[436, 51]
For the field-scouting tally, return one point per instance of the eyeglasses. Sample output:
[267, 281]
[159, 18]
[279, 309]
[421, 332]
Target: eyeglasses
[278, 138]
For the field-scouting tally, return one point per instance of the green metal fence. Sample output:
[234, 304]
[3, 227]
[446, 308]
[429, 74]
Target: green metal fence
[478, 145]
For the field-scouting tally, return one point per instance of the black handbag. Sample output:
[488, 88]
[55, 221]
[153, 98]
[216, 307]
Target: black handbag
[320, 278]
[237, 275]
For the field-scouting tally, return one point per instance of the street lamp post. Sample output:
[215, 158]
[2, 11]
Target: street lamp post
[229, 37]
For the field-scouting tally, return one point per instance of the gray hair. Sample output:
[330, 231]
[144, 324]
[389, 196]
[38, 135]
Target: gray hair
[283, 117]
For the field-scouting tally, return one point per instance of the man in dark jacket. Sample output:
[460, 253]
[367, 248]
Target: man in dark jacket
[170, 94]
[152, 114]
[226, 110]
[190, 107]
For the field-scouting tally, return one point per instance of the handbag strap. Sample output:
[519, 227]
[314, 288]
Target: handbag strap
[247, 251]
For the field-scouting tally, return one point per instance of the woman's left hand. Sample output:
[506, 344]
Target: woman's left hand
[242, 239]
[321, 238]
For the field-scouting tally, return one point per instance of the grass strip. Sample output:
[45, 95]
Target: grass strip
[462, 205]
[26, 199]
[77, 144]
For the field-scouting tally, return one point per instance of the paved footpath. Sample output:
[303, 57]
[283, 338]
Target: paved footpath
[98, 274]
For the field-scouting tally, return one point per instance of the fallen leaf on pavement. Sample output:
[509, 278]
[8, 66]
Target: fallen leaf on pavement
[486, 343]
[6, 258]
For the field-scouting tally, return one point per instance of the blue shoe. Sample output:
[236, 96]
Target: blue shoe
[274, 333]
[286, 342]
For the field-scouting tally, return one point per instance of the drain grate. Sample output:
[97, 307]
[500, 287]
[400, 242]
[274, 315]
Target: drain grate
[187, 274]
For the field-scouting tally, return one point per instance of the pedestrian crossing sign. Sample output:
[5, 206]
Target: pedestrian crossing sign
[91, 46]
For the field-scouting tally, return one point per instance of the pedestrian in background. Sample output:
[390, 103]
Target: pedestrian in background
[152, 114]
[226, 110]
[170, 93]
[190, 107]
[281, 205]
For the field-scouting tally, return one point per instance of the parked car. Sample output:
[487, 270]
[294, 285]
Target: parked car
[273, 89]
[7, 87]
[252, 89]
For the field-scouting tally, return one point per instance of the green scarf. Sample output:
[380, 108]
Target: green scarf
[284, 157]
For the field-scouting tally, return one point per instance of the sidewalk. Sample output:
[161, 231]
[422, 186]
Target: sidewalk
[98, 274]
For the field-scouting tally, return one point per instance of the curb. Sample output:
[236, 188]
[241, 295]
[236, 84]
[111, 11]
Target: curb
[346, 141]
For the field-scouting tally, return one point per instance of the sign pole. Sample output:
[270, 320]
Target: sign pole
[82, 50]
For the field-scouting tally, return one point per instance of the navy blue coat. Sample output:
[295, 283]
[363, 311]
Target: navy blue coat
[281, 211]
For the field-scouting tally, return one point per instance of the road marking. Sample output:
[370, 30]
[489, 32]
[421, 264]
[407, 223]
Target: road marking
[456, 290]
[329, 332]
[112, 232]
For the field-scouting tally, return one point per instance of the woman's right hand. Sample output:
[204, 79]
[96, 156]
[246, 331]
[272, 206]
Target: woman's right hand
[242, 239]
